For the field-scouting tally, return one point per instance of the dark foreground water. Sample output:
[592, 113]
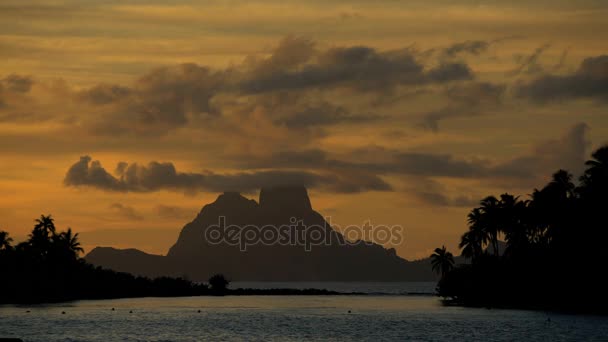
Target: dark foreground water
[371, 317]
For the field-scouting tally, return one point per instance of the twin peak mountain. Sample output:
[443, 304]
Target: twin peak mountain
[196, 257]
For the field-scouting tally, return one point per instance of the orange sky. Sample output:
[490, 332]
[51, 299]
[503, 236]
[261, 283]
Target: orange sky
[399, 112]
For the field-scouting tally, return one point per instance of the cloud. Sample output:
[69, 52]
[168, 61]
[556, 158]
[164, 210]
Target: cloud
[174, 212]
[474, 47]
[529, 64]
[126, 211]
[567, 152]
[470, 99]
[105, 94]
[163, 176]
[359, 68]
[376, 160]
[13, 86]
[297, 86]
[163, 99]
[430, 192]
[18, 83]
[589, 81]
[291, 52]
[324, 114]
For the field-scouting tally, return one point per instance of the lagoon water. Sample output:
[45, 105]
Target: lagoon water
[371, 317]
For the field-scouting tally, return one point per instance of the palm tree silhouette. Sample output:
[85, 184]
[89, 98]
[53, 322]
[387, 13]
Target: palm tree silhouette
[480, 234]
[69, 242]
[46, 224]
[472, 243]
[489, 220]
[442, 261]
[599, 163]
[5, 241]
[41, 235]
[595, 178]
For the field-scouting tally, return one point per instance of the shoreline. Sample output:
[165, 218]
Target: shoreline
[239, 292]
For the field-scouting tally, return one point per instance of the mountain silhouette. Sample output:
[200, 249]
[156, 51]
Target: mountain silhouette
[195, 256]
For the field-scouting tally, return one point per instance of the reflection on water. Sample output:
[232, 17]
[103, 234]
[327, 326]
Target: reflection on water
[289, 318]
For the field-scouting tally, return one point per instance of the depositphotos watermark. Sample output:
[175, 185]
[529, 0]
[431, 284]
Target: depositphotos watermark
[297, 233]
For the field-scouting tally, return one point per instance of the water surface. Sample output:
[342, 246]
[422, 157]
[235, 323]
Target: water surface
[371, 317]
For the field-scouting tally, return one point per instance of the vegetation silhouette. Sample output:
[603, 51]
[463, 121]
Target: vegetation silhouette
[48, 268]
[219, 284]
[442, 261]
[555, 247]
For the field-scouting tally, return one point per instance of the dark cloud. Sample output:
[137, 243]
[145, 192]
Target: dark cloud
[18, 83]
[126, 211]
[9, 86]
[450, 72]
[444, 165]
[430, 192]
[529, 64]
[359, 68]
[88, 172]
[474, 47]
[164, 99]
[182, 96]
[359, 170]
[589, 81]
[470, 99]
[567, 152]
[163, 176]
[105, 94]
[290, 53]
[2, 101]
[378, 161]
[324, 114]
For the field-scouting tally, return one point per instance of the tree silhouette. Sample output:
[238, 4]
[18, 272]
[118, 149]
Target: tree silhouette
[40, 238]
[489, 220]
[555, 240]
[47, 268]
[69, 242]
[5, 241]
[45, 224]
[218, 283]
[472, 243]
[597, 169]
[442, 261]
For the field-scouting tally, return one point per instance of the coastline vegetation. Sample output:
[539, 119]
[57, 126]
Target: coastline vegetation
[47, 267]
[554, 247]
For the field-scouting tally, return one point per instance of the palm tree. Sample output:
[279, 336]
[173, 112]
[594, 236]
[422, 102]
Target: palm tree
[562, 183]
[595, 179]
[5, 241]
[442, 261]
[69, 242]
[489, 220]
[472, 243]
[599, 163]
[477, 224]
[46, 224]
[552, 209]
[44, 231]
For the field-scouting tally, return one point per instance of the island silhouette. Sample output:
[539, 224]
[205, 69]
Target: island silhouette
[330, 258]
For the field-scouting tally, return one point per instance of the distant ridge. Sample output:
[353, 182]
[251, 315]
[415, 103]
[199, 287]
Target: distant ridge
[195, 257]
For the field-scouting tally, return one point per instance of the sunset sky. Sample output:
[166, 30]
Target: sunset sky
[122, 118]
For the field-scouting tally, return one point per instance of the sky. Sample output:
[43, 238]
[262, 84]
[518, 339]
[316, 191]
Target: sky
[123, 118]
